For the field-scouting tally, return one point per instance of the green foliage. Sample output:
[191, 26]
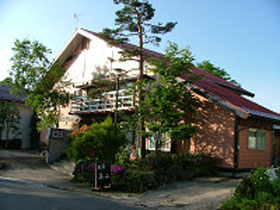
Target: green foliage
[217, 71]
[30, 63]
[134, 180]
[84, 172]
[175, 167]
[260, 180]
[32, 74]
[9, 118]
[101, 86]
[133, 19]
[103, 140]
[123, 156]
[141, 175]
[255, 192]
[168, 104]
[240, 203]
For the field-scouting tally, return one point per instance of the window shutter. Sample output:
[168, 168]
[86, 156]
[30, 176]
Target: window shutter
[261, 139]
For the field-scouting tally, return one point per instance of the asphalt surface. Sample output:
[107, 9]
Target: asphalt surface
[24, 196]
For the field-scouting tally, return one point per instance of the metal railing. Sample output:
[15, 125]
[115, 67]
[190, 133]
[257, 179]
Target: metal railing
[106, 103]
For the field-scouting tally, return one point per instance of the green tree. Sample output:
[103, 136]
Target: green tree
[34, 75]
[217, 71]
[168, 103]
[133, 20]
[9, 119]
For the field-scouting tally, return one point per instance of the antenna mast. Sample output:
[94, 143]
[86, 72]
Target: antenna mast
[76, 18]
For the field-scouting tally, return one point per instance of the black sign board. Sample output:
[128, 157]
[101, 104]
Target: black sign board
[102, 175]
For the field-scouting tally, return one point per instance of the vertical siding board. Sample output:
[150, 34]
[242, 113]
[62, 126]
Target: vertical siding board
[215, 134]
[249, 158]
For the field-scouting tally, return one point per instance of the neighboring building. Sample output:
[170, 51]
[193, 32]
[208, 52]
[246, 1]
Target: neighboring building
[25, 117]
[240, 132]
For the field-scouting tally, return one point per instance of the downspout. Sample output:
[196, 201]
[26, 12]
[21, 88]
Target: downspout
[273, 146]
[236, 145]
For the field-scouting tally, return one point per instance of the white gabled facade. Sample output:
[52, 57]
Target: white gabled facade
[84, 57]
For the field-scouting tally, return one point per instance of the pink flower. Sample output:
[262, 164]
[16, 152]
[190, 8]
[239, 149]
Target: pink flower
[116, 170]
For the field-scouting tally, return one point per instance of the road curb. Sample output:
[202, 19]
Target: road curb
[20, 180]
[55, 186]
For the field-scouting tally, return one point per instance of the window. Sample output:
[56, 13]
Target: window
[257, 139]
[165, 145]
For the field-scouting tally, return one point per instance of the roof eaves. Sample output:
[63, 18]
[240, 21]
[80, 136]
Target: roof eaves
[262, 114]
[234, 88]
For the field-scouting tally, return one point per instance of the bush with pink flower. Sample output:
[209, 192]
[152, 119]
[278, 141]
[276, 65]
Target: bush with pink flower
[103, 140]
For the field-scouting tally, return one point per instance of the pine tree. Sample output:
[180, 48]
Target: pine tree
[133, 20]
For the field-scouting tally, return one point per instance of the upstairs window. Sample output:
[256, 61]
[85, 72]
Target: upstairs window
[256, 139]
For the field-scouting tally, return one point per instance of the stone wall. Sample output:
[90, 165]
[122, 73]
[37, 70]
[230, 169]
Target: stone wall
[58, 144]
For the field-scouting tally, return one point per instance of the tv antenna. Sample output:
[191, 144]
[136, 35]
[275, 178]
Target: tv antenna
[77, 18]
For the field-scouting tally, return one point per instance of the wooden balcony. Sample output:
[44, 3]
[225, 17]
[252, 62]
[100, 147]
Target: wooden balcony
[106, 103]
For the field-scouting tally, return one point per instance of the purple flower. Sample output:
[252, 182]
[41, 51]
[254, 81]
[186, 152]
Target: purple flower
[89, 167]
[116, 170]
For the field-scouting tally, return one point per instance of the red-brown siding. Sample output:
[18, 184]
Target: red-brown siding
[215, 134]
[254, 158]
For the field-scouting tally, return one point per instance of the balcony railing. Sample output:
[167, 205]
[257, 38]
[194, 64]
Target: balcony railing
[106, 103]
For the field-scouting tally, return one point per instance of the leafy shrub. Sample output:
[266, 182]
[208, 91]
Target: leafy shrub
[238, 203]
[175, 167]
[134, 180]
[245, 188]
[84, 172]
[123, 156]
[260, 180]
[101, 140]
[256, 192]
[141, 175]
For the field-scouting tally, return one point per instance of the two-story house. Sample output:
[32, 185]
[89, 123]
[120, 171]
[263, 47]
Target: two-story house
[231, 127]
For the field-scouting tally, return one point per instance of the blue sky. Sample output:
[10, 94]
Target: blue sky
[241, 36]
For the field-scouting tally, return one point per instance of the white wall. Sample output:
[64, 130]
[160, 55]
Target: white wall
[89, 62]
[25, 119]
[94, 59]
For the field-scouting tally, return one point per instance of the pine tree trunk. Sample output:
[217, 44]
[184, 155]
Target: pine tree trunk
[141, 73]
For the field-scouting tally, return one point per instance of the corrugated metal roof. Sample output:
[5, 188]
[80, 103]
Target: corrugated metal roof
[262, 114]
[236, 100]
[6, 95]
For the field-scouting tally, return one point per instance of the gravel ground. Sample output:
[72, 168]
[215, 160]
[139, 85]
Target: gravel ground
[200, 193]
[29, 166]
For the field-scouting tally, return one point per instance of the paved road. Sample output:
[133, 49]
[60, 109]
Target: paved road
[24, 196]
